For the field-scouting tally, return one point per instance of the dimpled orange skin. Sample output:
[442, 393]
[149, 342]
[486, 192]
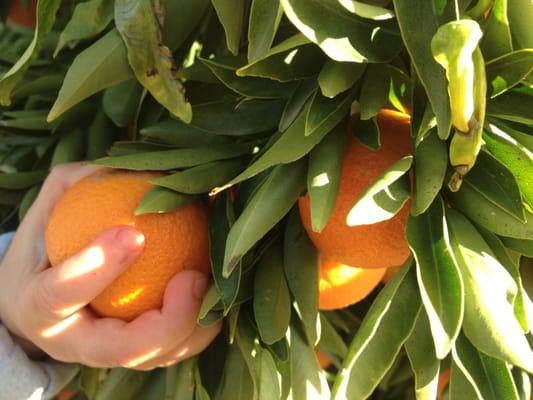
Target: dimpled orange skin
[342, 285]
[174, 241]
[381, 244]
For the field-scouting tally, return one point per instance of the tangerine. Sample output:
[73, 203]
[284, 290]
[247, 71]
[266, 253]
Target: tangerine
[174, 241]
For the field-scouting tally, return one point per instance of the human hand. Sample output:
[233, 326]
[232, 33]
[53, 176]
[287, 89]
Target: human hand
[47, 306]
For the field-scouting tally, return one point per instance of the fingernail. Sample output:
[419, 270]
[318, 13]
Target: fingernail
[199, 288]
[130, 239]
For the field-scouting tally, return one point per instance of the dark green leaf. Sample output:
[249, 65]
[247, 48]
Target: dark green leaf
[420, 349]
[386, 326]
[294, 58]
[221, 217]
[201, 179]
[337, 77]
[342, 35]
[46, 16]
[383, 198]
[248, 86]
[238, 118]
[431, 161]
[178, 133]
[124, 148]
[151, 61]
[330, 340]
[268, 205]
[88, 20]
[99, 66]
[300, 259]
[121, 101]
[231, 15]
[296, 103]
[21, 180]
[160, 200]
[506, 71]
[122, 384]
[272, 304]
[27, 201]
[460, 387]
[100, 136]
[267, 375]
[178, 158]
[181, 17]
[323, 176]
[512, 106]
[265, 16]
[438, 276]
[489, 321]
[70, 147]
[46, 84]
[418, 23]
[325, 113]
[497, 35]
[520, 16]
[368, 133]
[521, 246]
[237, 381]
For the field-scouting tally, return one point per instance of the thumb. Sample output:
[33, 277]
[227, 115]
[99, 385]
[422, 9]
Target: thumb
[68, 287]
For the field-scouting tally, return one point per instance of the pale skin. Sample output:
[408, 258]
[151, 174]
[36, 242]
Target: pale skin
[48, 307]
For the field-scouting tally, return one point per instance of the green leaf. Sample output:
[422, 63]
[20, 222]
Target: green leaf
[294, 58]
[418, 23]
[181, 17]
[91, 380]
[99, 66]
[21, 180]
[178, 133]
[512, 106]
[341, 34]
[330, 340]
[27, 201]
[490, 378]
[497, 35]
[520, 16]
[124, 148]
[496, 184]
[386, 326]
[46, 16]
[337, 77]
[121, 101]
[489, 321]
[516, 157]
[368, 133]
[160, 200]
[460, 387]
[296, 103]
[99, 136]
[439, 280]
[201, 179]
[521, 246]
[248, 86]
[265, 16]
[267, 376]
[70, 147]
[508, 70]
[384, 86]
[383, 198]
[431, 161]
[300, 260]
[476, 207]
[323, 176]
[236, 381]
[88, 20]
[272, 304]
[231, 16]
[234, 118]
[324, 113]
[307, 378]
[151, 61]
[122, 384]
[269, 204]
[421, 352]
[294, 143]
[178, 158]
[367, 10]
[221, 217]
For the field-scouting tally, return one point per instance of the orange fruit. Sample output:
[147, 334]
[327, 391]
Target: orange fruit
[323, 360]
[174, 241]
[18, 14]
[342, 285]
[66, 394]
[377, 245]
[444, 380]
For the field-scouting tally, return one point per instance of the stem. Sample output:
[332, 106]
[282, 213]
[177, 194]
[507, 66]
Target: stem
[457, 13]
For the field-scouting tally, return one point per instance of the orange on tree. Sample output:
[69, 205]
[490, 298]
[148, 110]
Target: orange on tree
[174, 241]
[377, 245]
[20, 15]
[342, 285]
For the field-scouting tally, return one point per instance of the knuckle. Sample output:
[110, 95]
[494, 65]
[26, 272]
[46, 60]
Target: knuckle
[43, 299]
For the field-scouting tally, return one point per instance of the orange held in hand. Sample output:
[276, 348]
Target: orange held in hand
[377, 245]
[342, 285]
[174, 241]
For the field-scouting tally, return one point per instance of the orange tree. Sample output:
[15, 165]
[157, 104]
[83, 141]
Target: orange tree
[265, 98]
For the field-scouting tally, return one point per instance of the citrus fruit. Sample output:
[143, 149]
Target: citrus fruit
[444, 380]
[174, 241]
[323, 360]
[18, 14]
[377, 245]
[343, 285]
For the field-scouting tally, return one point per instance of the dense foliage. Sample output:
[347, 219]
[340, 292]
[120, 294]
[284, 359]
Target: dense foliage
[250, 94]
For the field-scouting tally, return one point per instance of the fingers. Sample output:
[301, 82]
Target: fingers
[197, 342]
[60, 291]
[152, 334]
